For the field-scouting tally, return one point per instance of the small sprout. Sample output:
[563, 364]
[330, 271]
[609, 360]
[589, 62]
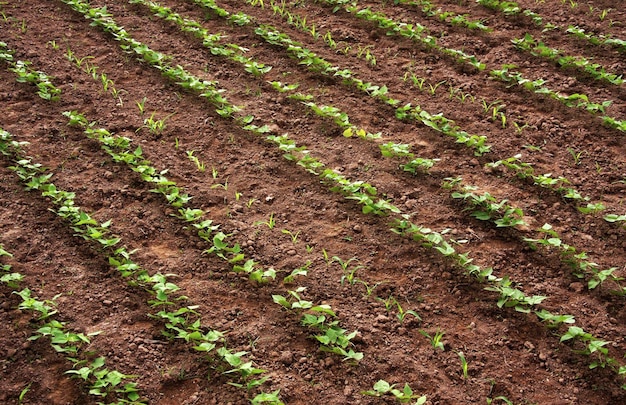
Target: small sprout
[576, 155]
[294, 236]
[435, 340]
[141, 105]
[270, 223]
[382, 387]
[200, 165]
[463, 365]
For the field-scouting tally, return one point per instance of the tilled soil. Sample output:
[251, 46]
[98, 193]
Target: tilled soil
[245, 182]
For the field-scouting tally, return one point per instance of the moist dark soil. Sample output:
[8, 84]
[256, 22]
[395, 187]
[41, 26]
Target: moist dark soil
[246, 181]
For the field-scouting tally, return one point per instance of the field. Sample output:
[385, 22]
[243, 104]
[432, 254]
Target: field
[312, 202]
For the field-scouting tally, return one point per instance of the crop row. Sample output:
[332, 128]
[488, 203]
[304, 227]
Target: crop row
[559, 184]
[101, 382]
[595, 70]
[511, 8]
[303, 158]
[179, 322]
[576, 100]
[486, 207]
[288, 145]
[380, 92]
[25, 74]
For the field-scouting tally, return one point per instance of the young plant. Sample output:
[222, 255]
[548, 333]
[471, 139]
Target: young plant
[349, 274]
[270, 223]
[199, 165]
[155, 126]
[292, 235]
[464, 369]
[436, 340]
[382, 387]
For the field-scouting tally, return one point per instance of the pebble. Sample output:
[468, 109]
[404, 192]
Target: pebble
[357, 228]
[286, 358]
[107, 302]
[381, 318]
[577, 287]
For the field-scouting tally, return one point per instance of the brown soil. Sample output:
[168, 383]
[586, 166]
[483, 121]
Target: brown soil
[509, 354]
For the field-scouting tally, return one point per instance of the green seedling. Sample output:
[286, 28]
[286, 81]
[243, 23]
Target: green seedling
[401, 315]
[270, 223]
[292, 235]
[435, 340]
[153, 125]
[141, 105]
[20, 399]
[382, 387]
[300, 271]
[433, 87]
[223, 186]
[499, 398]
[349, 274]
[577, 156]
[369, 289]
[554, 321]
[199, 165]
[267, 398]
[520, 127]
[463, 365]
[592, 208]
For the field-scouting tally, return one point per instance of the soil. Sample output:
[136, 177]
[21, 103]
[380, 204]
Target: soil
[509, 354]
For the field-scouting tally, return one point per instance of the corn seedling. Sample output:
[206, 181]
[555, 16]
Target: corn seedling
[292, 235]
[402, 313]
[141, 105]
[463, 365]
[577, 156]
[155, 126]
[250, 202]
[436, 340]
[20, 398]
[199, 165]
[270, 223]
[349, 274]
